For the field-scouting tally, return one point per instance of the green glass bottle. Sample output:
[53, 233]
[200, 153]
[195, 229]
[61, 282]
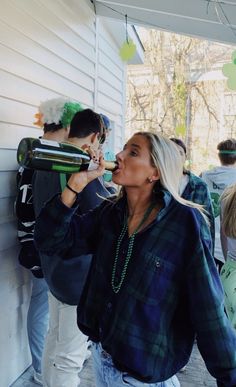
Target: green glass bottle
[46, 155]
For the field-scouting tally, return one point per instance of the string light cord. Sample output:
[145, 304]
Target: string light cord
[222, 2]
[131, 19]
[126, 29]
[228, 24]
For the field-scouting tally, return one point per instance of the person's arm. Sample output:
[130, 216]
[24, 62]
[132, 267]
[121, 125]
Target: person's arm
[58, 228]
[24, 208]
[210, 213]
[215, 336]
[78, 181]
[28, 255]
[224, 242]
[223, 237]
[202, 196]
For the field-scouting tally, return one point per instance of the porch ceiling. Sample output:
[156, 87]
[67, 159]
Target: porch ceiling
[207, 19]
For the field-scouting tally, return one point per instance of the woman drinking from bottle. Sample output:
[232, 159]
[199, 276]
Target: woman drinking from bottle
[153, 285]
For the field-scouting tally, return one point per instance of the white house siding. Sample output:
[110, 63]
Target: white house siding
[48, 48]
[110, 79]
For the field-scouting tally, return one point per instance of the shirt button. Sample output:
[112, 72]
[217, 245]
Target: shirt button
[109, 305]
[158, 264]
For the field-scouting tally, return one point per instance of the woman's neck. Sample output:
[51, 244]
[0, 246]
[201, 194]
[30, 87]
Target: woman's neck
[138, 202]
[141, 211]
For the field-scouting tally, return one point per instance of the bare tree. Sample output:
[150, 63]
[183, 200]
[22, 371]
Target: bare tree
[167, 92]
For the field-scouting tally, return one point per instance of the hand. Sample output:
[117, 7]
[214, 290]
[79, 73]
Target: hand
[78, 181]
[96, 168]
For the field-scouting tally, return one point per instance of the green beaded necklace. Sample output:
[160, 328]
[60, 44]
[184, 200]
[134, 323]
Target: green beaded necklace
[116, 286]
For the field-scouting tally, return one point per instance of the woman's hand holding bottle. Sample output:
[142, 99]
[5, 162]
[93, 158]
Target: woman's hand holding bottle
[78, 181]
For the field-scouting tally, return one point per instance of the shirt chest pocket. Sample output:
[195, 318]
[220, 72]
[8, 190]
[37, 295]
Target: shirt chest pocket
[155, 282]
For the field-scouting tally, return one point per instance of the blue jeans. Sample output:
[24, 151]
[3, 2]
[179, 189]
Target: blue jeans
[37, 320]
[106, 375]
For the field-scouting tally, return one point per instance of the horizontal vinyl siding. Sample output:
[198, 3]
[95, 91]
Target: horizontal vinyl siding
[47, 50]
[40, 75]
[8, 184]
[7, 208]
[110, 84]
[41, 49]
[11, 134]
[14, 343]
[8, 264]
[16, 121]
[8, 160]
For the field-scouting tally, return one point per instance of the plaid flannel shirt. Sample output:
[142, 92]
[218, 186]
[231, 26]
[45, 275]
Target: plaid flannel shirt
[197, 191]
[171, 292]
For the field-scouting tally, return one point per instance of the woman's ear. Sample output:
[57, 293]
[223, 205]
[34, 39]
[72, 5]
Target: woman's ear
[156, 175]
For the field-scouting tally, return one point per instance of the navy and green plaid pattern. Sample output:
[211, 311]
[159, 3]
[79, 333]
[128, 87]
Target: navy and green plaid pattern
[171, 293]
[198, 192]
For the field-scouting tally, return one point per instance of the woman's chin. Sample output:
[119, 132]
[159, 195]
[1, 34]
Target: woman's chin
[116, 178]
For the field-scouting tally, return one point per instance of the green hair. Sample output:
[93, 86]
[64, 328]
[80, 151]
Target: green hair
[70, 108]
[57, 111]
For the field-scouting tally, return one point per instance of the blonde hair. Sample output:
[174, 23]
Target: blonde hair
[165, 156]
[228, 201]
